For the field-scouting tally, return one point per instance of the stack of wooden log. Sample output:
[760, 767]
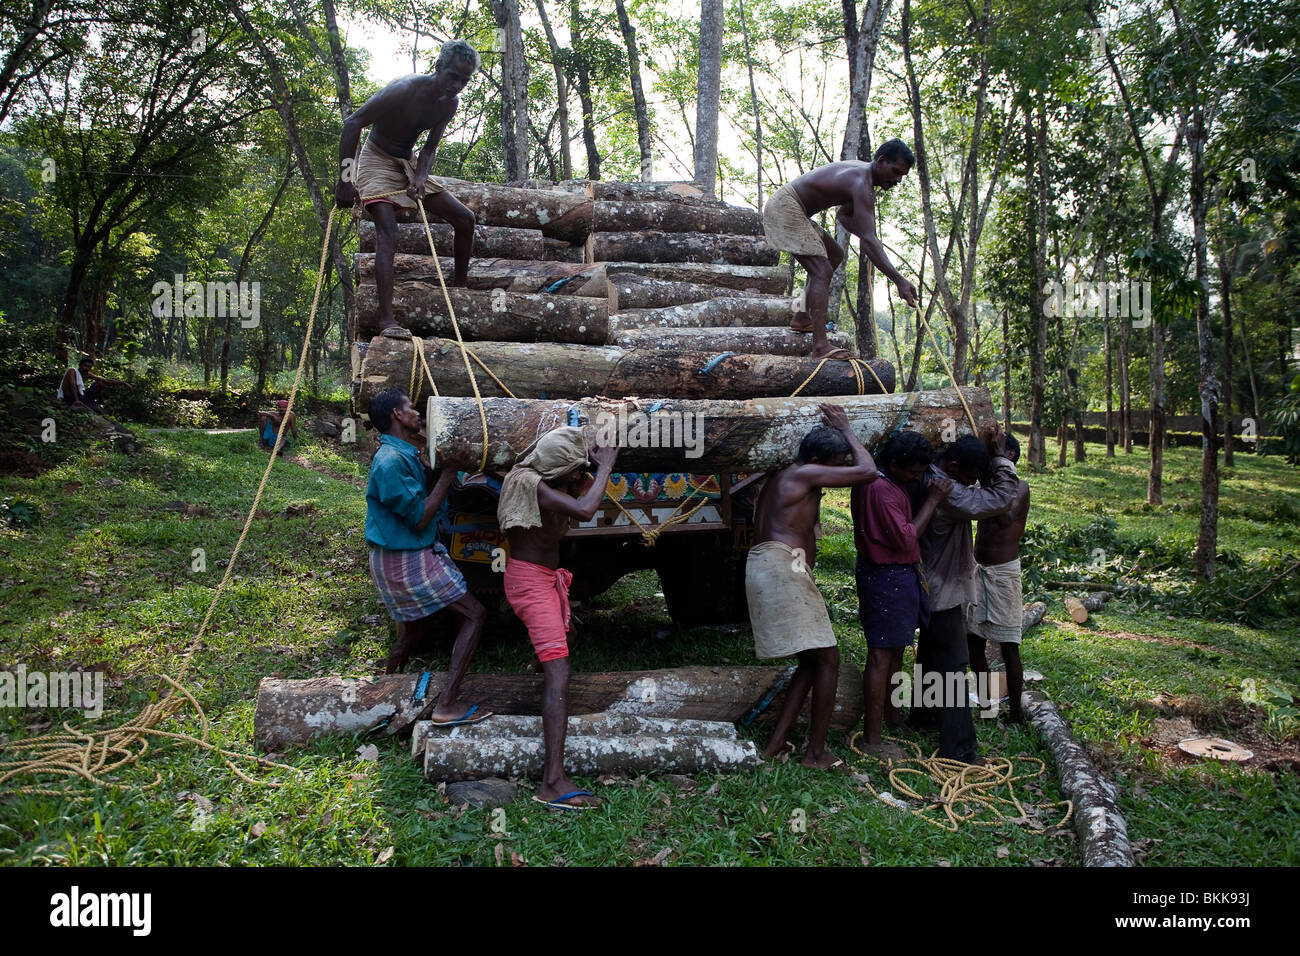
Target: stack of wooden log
[584, 288]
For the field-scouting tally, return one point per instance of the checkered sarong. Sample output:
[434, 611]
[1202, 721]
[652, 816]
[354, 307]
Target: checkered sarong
[415, 584]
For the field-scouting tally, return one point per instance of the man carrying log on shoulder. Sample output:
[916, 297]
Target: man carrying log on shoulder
[851, 185]
[398, 114]
[538, 497]
[786, 611]
[409, 566]
[949, 562]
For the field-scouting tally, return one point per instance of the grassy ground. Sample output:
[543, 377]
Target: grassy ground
[106, 580]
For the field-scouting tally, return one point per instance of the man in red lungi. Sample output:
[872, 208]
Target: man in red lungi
[538, 497]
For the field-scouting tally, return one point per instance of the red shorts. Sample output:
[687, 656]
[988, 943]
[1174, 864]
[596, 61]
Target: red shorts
[540, 597]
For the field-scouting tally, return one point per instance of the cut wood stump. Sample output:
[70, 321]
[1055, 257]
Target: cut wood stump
[738, 436]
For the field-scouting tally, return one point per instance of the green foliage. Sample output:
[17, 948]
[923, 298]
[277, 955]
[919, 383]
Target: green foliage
[1284, 417]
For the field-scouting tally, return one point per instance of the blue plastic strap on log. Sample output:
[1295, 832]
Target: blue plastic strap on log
[421, 687]
[767, 698]
[714, 361]
[557, 285]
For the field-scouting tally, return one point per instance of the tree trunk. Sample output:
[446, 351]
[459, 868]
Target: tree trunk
[753, 104]
[604, 724]
[584, 91]
[631, 216]
[653, 246]
[559, 215]
[1208, 531]
[638, 95]
[561, 93]
[574, 371]
[1035, 158]
[739, 436]
[514, 89]
[342, 83]
[489, 241]
[708, 95]
[1006, 375]
[613, 191]
[1225, 297]
[746, 341]
[1110, 395]
[758, 280]
[713, 313]
[493, 314]
[513, 275]
[647, 292]
[1125, 390]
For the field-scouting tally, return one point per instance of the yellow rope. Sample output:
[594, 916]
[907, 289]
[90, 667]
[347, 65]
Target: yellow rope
[947, 368]
[964, 790]
[651, 534]
[71, 754]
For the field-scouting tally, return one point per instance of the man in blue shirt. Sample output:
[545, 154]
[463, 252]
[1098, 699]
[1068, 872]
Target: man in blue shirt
[411, 569]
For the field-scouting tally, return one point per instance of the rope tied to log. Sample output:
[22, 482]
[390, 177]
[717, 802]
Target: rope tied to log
[964, 790]
[651, 534]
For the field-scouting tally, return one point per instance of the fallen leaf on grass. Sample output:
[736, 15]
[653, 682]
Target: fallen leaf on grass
[385, 855]
[517, 860]
[714, 790]
[499, 852]
[1003, 852]
[368, 753]
[257, 829]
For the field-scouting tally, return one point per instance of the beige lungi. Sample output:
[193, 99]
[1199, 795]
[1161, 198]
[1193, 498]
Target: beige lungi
[787, 226]
[378, 173]
[996, 612]
[786, 611]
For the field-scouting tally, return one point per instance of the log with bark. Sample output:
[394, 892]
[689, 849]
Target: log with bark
[759, 280]
[648, 292]
[611, 191]
[296, 711]
[747, 341]
[638, 215]
[523, 757]
[556, 370]
[493, 314]
[590, 725]
[557, 250]
[651, 245]
[559, 215]
[715, 313]
[513, 275]
[489, 241]
[711, 437]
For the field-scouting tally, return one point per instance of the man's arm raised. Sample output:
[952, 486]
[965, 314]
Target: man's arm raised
[861, 471]
[585, 507]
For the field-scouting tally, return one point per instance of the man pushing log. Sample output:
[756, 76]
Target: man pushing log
[851, 185]
[388, 174]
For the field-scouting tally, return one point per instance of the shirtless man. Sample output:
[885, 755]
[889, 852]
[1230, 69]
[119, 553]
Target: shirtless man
[998, 605]
[850, 185]
[398, 114]
[268, 424]
[538, 497]
[786, 611]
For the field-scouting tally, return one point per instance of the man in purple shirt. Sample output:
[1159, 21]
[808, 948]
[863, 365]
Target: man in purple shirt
[949, 560]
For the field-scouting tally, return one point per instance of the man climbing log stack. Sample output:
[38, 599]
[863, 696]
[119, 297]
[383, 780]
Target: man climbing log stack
[388, 174]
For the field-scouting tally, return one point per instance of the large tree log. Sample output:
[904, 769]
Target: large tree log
[637, 215]
[591, 725]
[476, 758]
[648, 292]
[760, 280]
[494, 314]
[489, 241]
[557, 214]
[610, 191]
[513, 275]
[747, 341]
[715, 313]
[655, 246]
[296, 711]
[553, 370]
[741, 437]
[557, 250]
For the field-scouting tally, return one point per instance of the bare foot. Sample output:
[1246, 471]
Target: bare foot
[395, 331]
[797, 326]
[549, 793]
[455, 710]
[777, 747]
[827, 761]
[827, 351]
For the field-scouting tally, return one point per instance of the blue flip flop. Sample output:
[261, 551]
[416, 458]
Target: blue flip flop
[465, 718]
[559, 804]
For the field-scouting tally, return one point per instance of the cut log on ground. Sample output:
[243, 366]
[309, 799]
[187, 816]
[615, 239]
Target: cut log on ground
[648, 292]
[738, 436]
[494, 315]
[639, 214]
[592, 725]
[656, 246]
[557, 214]
[554, 370]
[297, 711]
[513, 275]
[1102, 830]
[1032, 616]
[1078, 608]
[757, 280]
[716, 313]
[747, 341]
[472, 759]
[489, 241]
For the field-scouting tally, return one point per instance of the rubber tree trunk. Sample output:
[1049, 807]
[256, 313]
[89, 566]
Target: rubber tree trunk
[638, 95]
[492, 314]
[561, 93]
[584, 90]
[708, 95]
[514, 95]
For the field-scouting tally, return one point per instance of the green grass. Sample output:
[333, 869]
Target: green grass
[105, 580]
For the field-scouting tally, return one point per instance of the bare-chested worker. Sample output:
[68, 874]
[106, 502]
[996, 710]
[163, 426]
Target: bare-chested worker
[996, 611]
[538, 497]
[851, 185]
[786, 611]
[397, 115]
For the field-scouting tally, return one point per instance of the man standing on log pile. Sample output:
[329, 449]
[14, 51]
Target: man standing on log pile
[997, 611]
[398, 114]
[851, 185]
[411, 569]
[786, 611]
[949, 562]
[538, 497]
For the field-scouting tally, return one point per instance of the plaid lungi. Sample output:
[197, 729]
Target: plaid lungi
[415, 584]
